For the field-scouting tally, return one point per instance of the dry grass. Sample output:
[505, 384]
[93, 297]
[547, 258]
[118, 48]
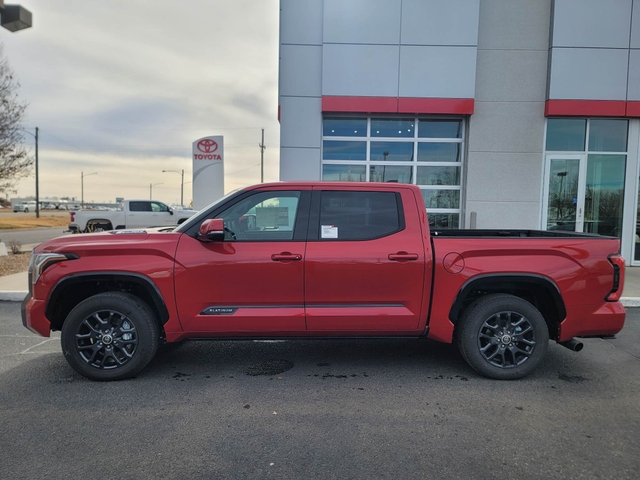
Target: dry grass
[14, 263]
[8, 223]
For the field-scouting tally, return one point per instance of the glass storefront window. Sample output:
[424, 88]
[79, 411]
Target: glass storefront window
[438, 152]
[390, 173]
[391, 151]
[338, 150]
[344, 127]
[392, 128]
[441, 198]
[604, 194]
[566, 134]
[344, 173]
[440, 221]
[438, 176]
[440, 129]
[608, 135]
[427, 152]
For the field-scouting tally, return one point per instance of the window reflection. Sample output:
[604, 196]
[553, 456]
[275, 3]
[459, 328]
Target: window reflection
[604, 194]
[337, 150]
[392, 127]
[438, 152]
[390, 173]
[438, 176]
[392, 151]
[566, 134]
[441, 198]
[440, 129]
[608, 135]
[344, 173]
[439, 221]
[344, 127]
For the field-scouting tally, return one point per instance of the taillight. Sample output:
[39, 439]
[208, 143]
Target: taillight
[618, 278]
[73, 215]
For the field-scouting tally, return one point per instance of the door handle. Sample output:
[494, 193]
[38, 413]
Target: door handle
[403, 256]
[286, 257]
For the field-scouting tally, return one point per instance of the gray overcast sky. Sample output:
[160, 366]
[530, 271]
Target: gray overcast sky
[122, 88]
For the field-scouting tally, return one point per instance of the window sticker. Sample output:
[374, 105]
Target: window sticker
[272, 217]
[329, 231]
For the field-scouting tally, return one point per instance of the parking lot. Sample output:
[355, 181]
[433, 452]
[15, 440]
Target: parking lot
[343, 409]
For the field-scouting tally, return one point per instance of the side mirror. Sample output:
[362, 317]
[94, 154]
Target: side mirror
[170, 210]
[212, 230]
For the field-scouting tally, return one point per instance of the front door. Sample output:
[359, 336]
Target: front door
[252, 282]
[585, 193]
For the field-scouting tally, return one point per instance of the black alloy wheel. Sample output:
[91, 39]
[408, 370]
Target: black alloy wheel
[106, 339]
[502, 336]
[110, 336]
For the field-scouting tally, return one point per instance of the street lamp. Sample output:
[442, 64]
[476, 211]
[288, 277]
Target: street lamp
[15, 17]
[181, 173]
[37, 185]
[151, 185]
[82, 175]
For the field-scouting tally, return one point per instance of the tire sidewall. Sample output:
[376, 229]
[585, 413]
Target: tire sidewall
[472, 321]
[136, 311]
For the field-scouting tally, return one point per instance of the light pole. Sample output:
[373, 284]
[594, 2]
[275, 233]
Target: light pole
[151, 185]
[82, 175]
[37, 183]
[181, 173]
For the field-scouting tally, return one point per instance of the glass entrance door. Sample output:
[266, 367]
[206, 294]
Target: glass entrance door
[585, 193]
[564, 197]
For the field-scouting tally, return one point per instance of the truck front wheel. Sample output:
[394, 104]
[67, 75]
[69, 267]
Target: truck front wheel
[502, 336]
[110, 336]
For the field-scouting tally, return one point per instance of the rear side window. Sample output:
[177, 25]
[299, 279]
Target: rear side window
[358, 215]
[140, 206]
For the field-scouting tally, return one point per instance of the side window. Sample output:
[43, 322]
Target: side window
[139, 206]
[158, 207]
[358, 215]
[263, 216]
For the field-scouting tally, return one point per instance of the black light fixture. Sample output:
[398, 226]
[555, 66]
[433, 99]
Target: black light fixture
[15, 17]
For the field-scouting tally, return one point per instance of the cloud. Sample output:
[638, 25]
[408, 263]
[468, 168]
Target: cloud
[124, 88]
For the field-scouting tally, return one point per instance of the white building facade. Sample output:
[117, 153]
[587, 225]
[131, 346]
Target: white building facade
[506, 113]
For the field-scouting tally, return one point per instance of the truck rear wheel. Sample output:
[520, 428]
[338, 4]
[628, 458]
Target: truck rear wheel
[110, 336]
[94, 226]
[502, 336]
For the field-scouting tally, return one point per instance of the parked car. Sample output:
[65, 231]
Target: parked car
[134, 214]
[25, 207]
[319, 259]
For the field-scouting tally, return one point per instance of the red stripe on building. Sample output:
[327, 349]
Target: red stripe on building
[458, 106]
[360, 104]
[633, 109]
[585, 108]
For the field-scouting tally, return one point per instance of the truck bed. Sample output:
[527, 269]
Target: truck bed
[514, 233]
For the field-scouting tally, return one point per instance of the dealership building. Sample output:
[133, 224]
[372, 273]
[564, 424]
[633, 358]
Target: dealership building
[506, 113]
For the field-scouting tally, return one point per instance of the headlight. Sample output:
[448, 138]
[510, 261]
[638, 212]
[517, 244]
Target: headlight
[39, 262]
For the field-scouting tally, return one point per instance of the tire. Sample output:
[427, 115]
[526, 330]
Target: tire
[130, 327]
[502, 336]
[94, 226]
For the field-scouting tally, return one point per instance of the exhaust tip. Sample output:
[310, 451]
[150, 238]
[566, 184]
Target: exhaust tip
[573, 345]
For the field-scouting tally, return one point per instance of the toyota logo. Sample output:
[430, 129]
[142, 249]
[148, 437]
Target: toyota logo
[207, 145]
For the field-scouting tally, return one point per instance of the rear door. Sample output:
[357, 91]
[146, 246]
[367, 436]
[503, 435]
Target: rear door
[365, 261]
[139, 215]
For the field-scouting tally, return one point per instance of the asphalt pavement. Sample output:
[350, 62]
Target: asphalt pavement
[399, 409]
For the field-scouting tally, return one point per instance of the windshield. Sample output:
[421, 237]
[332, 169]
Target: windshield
[195, 218]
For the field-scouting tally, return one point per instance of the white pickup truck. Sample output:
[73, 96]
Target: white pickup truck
[131, 214]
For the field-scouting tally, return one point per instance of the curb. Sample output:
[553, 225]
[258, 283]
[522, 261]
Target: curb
[18, 296]
[630, 301]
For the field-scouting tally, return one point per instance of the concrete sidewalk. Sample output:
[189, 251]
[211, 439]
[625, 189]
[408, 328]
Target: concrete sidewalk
[13, 288]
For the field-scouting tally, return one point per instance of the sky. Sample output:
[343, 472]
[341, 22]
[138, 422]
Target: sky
[123, 88]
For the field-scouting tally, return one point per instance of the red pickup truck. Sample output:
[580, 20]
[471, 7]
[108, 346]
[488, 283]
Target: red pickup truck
[324, 260]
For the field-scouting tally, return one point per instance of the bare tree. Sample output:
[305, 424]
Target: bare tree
[15, 162]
